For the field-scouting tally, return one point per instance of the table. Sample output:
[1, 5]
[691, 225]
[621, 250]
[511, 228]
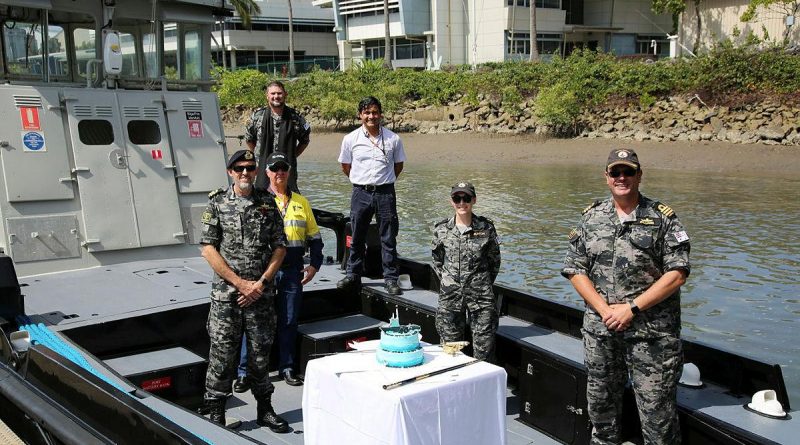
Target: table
[344, 401]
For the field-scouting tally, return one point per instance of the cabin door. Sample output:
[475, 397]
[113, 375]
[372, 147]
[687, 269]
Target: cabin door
[152, 168]
[127, 189]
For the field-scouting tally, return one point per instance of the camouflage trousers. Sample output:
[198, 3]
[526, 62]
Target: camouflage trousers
[226, 323]
[451, 326]
[654, 366]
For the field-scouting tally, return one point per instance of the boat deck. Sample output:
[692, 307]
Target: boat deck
[108, 293]
[140, 288]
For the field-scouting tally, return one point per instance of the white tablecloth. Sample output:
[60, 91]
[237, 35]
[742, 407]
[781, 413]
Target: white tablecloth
[344, 402]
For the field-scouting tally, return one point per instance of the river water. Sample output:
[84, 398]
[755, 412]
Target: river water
[743, 294]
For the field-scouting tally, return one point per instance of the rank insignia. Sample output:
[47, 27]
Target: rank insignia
[666, 210]
[573, 234]
[646, 222]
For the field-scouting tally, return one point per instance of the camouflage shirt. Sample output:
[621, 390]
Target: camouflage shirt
[623, 259]
[300, 131]
[466, 263]
[245, 230]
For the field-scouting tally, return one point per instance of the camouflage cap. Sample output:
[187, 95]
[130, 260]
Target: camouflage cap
[463, 187]
[241, 155]
[277, 157]
[624, 156]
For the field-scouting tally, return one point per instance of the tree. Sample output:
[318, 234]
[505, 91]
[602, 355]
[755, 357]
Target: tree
[292, 70]
[678, 7]
[387, 41]
[781, 7]
[244, 9]
[534, 46]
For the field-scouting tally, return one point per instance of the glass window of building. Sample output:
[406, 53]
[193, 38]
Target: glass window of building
[374, 49]
[652, 44]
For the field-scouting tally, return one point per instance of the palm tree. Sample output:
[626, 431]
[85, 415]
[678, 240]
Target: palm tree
[292, 71]
[387, 42]
[244, 9]
[534, 46]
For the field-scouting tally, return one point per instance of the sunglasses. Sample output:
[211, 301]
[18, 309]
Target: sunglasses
[459, 198]
[279, 168]
[241, 168]
[622, 171]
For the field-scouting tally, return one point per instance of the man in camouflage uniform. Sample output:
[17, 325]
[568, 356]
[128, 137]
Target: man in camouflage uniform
[244, 242]
[466, 257]
[628, 258]
[280, 128]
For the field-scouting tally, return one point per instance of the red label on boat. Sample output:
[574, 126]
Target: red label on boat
[157, 384]
[348, 240]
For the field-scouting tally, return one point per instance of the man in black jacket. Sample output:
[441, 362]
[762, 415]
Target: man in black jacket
[276, 128]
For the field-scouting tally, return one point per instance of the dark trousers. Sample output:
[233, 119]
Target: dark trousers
[288, 303]
[227, 322]
[364, 203]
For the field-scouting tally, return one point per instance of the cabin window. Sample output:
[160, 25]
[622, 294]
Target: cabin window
[130, 63]
[144, 132]
[150, 50]
[84, 48]
[171, 50]
[192, 55]
[23, 48]
[95, 132]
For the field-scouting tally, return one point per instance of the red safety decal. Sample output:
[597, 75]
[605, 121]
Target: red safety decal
[157, 384]
[348, 240]
[195, 129]
[156, 154]
[30, 118]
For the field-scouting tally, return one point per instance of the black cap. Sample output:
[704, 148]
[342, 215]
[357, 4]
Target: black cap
[277, 157]
[624, 156]
[463, 187]
[241, 155]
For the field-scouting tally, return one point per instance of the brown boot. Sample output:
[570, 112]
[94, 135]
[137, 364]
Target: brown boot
[216, 411]
[266, 416]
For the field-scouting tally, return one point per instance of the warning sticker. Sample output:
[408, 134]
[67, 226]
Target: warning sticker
[194, 116]
[195, 129]
[30, 118]
[33, 141]
[157, 154]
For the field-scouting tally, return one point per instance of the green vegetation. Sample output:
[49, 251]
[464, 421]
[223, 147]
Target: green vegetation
[559, 91]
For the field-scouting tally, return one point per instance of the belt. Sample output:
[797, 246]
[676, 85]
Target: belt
[375, 188]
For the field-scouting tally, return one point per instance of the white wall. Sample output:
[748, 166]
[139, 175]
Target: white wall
[720, 17]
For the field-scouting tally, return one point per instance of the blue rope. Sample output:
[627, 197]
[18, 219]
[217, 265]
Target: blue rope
[42, 335]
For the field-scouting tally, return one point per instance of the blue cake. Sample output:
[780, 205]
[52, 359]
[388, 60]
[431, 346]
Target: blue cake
[399, 347]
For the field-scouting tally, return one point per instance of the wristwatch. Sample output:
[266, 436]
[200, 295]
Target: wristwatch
[634, 309]
[263, 280]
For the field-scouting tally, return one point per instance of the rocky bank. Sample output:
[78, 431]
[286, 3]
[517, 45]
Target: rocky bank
[674, 119]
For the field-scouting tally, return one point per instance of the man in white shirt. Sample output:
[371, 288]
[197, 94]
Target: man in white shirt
[372, 158]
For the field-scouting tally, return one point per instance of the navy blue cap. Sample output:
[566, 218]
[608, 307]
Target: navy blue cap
[241, 155]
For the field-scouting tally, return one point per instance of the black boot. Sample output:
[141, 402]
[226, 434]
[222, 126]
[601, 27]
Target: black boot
[216, 411]
[266, 416]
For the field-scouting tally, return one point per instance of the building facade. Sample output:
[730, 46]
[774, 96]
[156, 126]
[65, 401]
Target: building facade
[264, 45]
[433, 33]
[721, 19]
